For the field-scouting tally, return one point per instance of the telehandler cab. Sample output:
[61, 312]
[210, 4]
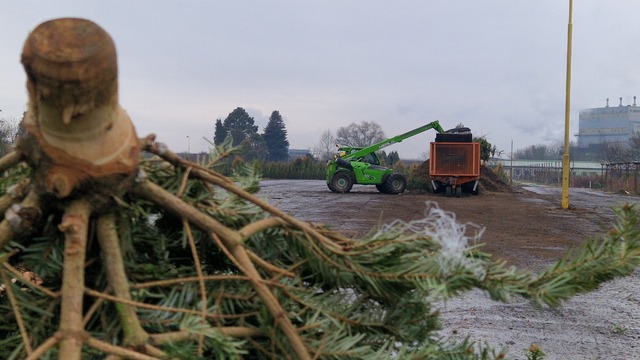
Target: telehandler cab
[355, 165]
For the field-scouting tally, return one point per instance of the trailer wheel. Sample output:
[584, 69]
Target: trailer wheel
[341, 182]
[447, 191]
[395, 184]
[459, 191]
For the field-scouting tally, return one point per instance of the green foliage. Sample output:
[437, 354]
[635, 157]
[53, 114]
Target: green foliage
[367, 298]
[399, 167]
[300, 168]
[253, 148]
[275, 137]
[535, 353]
[486, 149]
[501, 173]
[619, 330]
[220, 133]
[240, 126]
[388, 159]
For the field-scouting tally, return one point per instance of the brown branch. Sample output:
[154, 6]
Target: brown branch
[75, 223]
[116, 350]
[10, 160]
[14, 194]
[40, 288]
[233, 331]
[44, 347]
[134, 334]
[232, 241]
[217, 179]
[16, 311]
[170, 282]
[183, 185]
[203, 290]
[268, 266]
[21, 219]
[92, 310]
[143, 305]
[258, 226]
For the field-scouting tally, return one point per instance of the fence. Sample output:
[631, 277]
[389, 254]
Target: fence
[581, 174]
[542, 173]
[622, 176]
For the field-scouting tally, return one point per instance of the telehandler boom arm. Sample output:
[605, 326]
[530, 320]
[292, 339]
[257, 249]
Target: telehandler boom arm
[396, 139]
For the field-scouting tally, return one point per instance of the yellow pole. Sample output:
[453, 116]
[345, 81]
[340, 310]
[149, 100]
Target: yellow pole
[567, 110]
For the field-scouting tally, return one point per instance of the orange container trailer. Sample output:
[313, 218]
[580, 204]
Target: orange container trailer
[454, 167]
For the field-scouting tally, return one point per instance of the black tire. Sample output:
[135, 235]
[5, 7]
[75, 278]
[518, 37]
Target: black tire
[438, 187]
[341, 182]
[458, 191]
[468, 187]
[331, 187]
[458, 130]
[395, 184]
[381, 188]
[447, 191]
[344, 163]
[446, 137]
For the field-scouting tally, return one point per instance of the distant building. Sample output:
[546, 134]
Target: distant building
[608, 125]
[297, 153]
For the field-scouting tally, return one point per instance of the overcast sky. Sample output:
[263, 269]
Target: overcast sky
[496, 66]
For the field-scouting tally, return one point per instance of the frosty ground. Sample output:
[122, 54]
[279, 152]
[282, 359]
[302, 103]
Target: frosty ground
[527, 228]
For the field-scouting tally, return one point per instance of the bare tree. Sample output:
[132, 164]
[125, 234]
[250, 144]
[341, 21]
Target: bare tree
[618, 152]
[326, 146]
[9, 128]
[361, 135]
[634, 144]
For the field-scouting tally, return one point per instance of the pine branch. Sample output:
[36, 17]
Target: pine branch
[134, 334]
[232, 242]
[74, 225]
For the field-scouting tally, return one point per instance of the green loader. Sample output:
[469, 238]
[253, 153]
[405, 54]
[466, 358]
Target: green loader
[355, 165]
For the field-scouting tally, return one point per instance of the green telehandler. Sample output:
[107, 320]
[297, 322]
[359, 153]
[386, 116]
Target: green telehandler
[356, 165]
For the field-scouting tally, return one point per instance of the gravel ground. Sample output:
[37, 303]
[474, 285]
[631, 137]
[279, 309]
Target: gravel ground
[525, 227]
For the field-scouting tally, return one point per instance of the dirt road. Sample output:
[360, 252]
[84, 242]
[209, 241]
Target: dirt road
[527, 228]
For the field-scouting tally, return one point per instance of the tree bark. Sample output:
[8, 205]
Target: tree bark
[134, 334]
[75, 224]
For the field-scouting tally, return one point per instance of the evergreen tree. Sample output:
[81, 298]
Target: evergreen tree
[220, 133]
[140, 260]
[240, 125]
[275, 138]
[254, 148]
[394, 157]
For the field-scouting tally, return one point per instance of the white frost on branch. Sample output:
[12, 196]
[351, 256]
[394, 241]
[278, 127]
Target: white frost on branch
[453, 237]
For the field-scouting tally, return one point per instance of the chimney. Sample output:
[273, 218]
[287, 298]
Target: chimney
[607, 102]
[621, 101]
[634, 101]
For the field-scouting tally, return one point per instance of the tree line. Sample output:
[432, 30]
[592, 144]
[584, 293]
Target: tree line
[605, 152]
[272, 145]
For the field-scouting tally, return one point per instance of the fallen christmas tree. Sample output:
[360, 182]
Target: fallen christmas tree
[164, 258]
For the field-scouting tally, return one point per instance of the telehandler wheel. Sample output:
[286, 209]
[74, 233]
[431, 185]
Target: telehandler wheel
[395, 184]
[331, 187]
[381, 188]
[341, 182]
